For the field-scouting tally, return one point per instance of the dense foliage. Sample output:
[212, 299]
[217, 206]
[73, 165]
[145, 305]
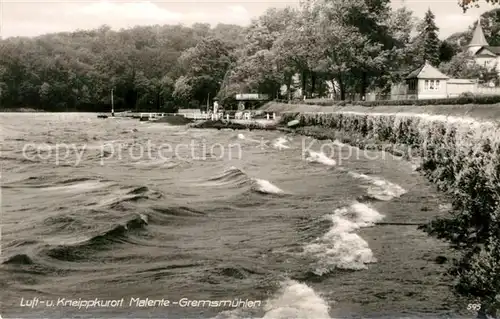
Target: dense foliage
[466, 4]
[461, 100]
[148, 67]
[340, 46]
[348, 47]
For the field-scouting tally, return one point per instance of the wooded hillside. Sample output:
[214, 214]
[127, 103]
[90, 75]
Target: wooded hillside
[359, 45]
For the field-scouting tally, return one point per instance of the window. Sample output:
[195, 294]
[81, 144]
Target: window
[412, 85]
[432, 85]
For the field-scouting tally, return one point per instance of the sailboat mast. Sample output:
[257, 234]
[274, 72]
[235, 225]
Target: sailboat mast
[112, 104]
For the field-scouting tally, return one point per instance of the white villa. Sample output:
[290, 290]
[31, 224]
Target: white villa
[481, 51]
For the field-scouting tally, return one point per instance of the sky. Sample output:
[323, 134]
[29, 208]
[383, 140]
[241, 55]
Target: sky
[31, 18]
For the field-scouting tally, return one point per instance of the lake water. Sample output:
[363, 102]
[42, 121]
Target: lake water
[100, 214]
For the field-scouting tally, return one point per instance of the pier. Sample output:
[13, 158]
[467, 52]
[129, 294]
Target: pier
[201, 116]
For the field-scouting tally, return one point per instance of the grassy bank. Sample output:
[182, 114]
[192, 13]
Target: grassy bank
[460, 154]
[481, 112]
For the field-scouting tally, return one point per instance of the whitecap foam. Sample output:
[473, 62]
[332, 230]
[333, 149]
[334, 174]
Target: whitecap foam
[265, 186]
[340, 247]
[78, 187]
[296, 300]
[293, 300]
[243, 137]
[340, 144]
[318, 157]
[280, 143]
[380, 189]
[152, 162]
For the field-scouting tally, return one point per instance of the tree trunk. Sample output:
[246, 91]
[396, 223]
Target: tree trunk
[289, 87]
[313, 83]
[304, 81]
[364, 83]
[341, 88]
[334, 89]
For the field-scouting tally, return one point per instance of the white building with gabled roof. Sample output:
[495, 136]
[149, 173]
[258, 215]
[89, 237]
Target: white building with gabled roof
[482, 53]
[427, 82]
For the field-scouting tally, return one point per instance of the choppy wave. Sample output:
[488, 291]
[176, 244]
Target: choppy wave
[238, 178]
[293, 300]
[127, 222]
[340, 247]
[319, 157]
[81, 247]
[266, 187]
[281, 143]
[380, 189]
[79, 187]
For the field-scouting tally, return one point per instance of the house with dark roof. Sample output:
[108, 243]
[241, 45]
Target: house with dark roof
[427, 82]
[481, 51]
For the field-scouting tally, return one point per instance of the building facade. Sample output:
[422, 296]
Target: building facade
[482, 53]
[427, 82]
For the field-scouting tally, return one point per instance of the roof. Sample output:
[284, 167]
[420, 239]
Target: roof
[484, 51]
[488, 50]
[478, 38]
[427, 71]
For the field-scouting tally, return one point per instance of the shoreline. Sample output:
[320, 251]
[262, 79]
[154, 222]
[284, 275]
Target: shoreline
[487, 112]
[458, 153]
[24, 110]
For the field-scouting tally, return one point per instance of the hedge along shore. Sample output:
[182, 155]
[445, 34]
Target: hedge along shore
[490, 112]
[458, 148]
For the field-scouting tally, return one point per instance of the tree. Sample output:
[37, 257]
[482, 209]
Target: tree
[463, 66]
[467, 4]
[205, 66]
[431, 43]
[490, 22]
[81, 67]
[447, 51]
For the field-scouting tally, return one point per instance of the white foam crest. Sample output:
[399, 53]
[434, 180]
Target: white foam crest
[265, 186]
[240, 136]
[280, 143]
[293, 300]
[340, 144]
[78, 187]
[380, 189]
[318, 157]
[156, 162]
[296, 300]
[340, 247]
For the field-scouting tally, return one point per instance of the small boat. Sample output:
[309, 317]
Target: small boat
[102, 116]
[293, 123]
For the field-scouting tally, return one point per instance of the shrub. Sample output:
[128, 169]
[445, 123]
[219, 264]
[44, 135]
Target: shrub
[464, 98]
